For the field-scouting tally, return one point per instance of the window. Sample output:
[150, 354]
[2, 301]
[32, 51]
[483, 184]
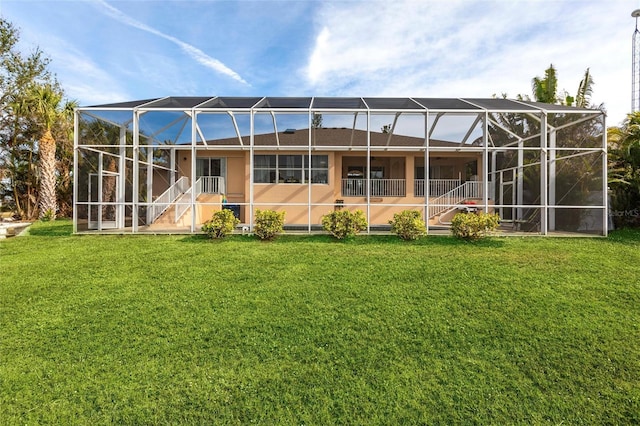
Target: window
[319, 169]
[264, 169]
[290, 169]
[436, 171]
[210, 167]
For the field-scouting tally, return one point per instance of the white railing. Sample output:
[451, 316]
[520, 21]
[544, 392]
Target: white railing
[184, 203]
[447, 202]
[167, 198]
[203, 185]
[437, 187]
[210, 185]
[379, 187]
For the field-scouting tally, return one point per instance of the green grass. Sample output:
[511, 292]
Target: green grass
[305, 330]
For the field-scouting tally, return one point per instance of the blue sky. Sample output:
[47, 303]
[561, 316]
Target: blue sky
[107, 51]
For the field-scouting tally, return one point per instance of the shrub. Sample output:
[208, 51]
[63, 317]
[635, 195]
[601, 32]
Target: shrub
[343, 223]
[268, 224]
[221, 224]
[408, 225]
[471, 227]
[48, 215]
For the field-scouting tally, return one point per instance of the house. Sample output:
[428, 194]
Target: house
[165, 165]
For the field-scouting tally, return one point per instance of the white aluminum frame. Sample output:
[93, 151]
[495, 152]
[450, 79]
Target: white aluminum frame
[547, 136]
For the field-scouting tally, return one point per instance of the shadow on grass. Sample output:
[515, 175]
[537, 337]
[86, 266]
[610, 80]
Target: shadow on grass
[58, 228]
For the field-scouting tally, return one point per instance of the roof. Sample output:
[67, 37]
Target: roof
[341, 103]
[331, 137]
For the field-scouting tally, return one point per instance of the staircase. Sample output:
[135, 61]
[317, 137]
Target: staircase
[448, 202]
[208, 194]
[168, 198]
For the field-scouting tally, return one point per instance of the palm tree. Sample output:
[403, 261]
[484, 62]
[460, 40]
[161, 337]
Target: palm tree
[545, 89]
[585, 90]
[45, 103]
[64, 139]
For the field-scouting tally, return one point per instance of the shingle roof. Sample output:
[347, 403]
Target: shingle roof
[331, 137]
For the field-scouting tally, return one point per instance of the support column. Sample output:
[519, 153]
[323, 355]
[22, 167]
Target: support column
[552, 180]
[519, 178]
[136, 171]
[485, 162]
[368, 193]
[172, 166]
[544, 201]
[76, 132]
[251, 142]
[427, 209]
[309, 180]
[122, 178]
[605, 184]
[149, 183]
[494, 165]
[194, 143]
[100, 200]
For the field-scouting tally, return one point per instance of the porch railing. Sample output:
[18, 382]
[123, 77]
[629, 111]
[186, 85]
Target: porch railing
[168, 197]
[203, 185]
[449, 200]
[210, 185]
[437, 187]
[379, 188]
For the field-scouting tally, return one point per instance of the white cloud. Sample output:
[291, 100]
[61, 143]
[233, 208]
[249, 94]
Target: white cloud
[192, 51]
[471, 49]
[81, 78]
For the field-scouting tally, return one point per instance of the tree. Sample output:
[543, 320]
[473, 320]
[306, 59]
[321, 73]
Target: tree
[585, 90]
[316, 121]
[24, 78]
[624, 170]
[18, 176]
[63, 134]
[44, 104]
[546, 90]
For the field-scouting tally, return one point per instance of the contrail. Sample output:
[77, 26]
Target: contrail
[190, 50]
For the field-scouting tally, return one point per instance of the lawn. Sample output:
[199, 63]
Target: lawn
[306, 330]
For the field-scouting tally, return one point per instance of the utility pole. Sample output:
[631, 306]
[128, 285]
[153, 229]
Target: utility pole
[635, 66]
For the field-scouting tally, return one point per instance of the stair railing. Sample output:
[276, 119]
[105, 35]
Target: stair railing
[168, 197]
[448, 201]
[184, 203]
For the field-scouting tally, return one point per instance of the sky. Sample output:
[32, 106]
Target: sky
[105, 51]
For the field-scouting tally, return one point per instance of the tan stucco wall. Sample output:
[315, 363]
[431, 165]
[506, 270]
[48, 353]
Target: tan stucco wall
[272, 196]
[276, 194]
[160, 182]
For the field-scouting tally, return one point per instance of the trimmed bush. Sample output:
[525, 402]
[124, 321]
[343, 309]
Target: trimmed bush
[268, 224]
[408, 225]
[472, 227]
[48, 215]
[221, 224]
[343, 223]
